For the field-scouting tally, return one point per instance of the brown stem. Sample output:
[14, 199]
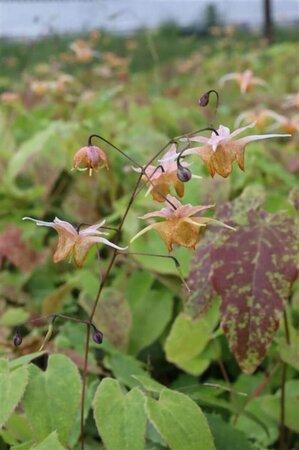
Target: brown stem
[283, 445]
[112, 146]
[104, 279]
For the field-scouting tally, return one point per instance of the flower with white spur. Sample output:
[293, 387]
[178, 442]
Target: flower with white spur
[75, 243]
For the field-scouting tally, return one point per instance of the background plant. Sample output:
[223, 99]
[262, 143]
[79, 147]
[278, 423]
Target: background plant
[149, 342]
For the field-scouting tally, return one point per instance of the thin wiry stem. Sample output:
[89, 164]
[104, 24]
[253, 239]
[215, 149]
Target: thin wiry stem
[108, 270]
[102, 284]
[282, 429]
[114, 147]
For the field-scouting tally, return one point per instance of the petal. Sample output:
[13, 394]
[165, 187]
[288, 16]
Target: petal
[259, 81]
[92, 229]
[84, 244]
[201, 221]
[185, 233]
[109, 243]
[240, 130]
[229, 76]
[62, 224]
[144, 230]
[222, 159]
[201, 139]
[246, 140]
[64, 247]
[40, 223]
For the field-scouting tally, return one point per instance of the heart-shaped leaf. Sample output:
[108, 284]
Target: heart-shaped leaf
[180, 421]
[12, 388]
[119, 416]
[52, 399]
[253, 271]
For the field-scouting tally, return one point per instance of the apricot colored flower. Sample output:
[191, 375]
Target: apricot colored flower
[284, 123]
[246, 80]
[73, 243]
[90, 158]
[250, 116]
[39, 88]
[180, 227]
[164, 177]
[292, 101]
[82, 51]
[220, 150]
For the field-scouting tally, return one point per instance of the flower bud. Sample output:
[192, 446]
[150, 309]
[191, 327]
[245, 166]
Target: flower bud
[204, 99]
[89, 158]
[97, 336]
[17, 339]
[184, 174]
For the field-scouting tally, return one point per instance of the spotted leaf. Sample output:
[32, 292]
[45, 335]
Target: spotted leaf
[253, 270]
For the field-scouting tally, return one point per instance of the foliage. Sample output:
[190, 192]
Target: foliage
[169, 371]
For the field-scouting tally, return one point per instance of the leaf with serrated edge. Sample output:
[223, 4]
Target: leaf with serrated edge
[120, 418]
[253, 270]
[52, 398]
[180, 421]
[12, 388]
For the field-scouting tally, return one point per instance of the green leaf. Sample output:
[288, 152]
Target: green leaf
[124, 367]
[290, 353]
[52, 399]
[113, 316]
[50, 443]
[257, 425]
[225, 436]
[271, 405]
[180, 421]
[12, 388]
[28, 445]
[148, 383]
[186, 340]
[150, 314]
[13, 316]
[120, 418]
[23, 360]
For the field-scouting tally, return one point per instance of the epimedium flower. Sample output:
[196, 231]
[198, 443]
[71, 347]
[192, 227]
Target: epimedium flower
[292, 101]
[75, 243]
[164, 176]
[90, 158]
[246, 80]
[180, 227]
[260, 118]
[220, 150]
[284, 123]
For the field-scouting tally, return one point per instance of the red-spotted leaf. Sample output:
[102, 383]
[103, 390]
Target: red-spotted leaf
[17, 252]
[253, 270]
[199, 280]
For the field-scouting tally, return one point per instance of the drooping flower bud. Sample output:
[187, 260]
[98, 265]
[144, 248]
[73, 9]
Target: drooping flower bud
[184, 174]
[90, 157]
[17, 339]
[204, 99]
[97, 336]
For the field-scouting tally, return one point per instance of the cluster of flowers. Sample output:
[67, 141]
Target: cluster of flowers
[181, 224]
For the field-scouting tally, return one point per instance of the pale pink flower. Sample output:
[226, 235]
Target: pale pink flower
[162, 178]
[246, 80]
[220, 150]
[73, 243]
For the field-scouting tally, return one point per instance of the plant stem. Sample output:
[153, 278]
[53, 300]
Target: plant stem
[102, 284]
[283, 432]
